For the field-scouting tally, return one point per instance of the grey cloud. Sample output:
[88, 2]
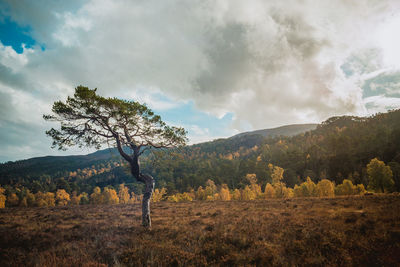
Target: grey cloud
[5, 106]
[16, 134]
[228, 57]
[21, 137]
[21, 140]
[299, 35]
[10, 78]
[273, 75]
[269, 63]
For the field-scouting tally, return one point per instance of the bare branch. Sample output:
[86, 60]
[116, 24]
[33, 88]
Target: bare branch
[121, 151]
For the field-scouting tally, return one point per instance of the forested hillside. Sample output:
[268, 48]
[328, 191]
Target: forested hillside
[338, 149]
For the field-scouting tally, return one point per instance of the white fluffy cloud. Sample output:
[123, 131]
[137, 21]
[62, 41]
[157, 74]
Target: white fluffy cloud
[269, 63]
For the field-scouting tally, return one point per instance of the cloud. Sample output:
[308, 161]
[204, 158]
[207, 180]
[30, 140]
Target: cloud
[12, 59]
[363, 62]
[381, 103]
[268, 63]
[23, 130]
[386, 83]
[197, 134]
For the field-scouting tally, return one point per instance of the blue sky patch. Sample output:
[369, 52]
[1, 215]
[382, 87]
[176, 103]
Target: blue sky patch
[11, 34]
[188, 115]
[387, 84]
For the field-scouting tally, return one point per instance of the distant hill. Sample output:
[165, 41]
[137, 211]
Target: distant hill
[287, 130]
[102, 167]
[52, 164]
[337, 149]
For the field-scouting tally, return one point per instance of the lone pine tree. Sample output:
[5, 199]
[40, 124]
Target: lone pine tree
[88, 119]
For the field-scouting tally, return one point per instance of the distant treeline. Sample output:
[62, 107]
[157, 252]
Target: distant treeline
[339, 149]
[380, 180]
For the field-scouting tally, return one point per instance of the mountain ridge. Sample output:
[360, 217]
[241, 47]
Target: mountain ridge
[338, 148]
[285, 130]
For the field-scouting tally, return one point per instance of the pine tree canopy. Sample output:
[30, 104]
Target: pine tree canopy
[88, 119]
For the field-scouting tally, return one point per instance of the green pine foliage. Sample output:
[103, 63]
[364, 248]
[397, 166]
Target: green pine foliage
[340, 148]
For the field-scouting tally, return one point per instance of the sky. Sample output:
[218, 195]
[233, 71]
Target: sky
[216, 67]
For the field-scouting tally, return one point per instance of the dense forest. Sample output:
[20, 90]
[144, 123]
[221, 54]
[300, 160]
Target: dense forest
[339, 148]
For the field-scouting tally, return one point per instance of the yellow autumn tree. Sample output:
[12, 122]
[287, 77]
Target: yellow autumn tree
[360, 189]
[325, 188]
[96, 197]
[289, 192]
[280, 189]
[298, 191]
[173, 198]
[224, 193]
[2, 198]
[158, 194]
[347, 188]
[184, 197]
[269, 191]
[30, 198]
[50, 199]
[306, 189]
[75, 198]
[311, 187]
[12, 200]
[201, 194]
[110, 196]
[248, 194]
[236, 195]
[211, 188]
[252, 178]
[40, 200]
[123, 194]
[62, 197]
[192, 193]
[276, 173]
[210, 198]
[254, 187]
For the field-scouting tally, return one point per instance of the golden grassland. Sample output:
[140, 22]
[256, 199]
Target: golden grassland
[341, 231]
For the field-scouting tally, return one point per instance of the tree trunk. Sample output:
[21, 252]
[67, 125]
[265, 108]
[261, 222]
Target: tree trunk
[149, 182]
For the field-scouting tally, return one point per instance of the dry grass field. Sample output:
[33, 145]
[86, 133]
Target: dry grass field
[349, 231]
